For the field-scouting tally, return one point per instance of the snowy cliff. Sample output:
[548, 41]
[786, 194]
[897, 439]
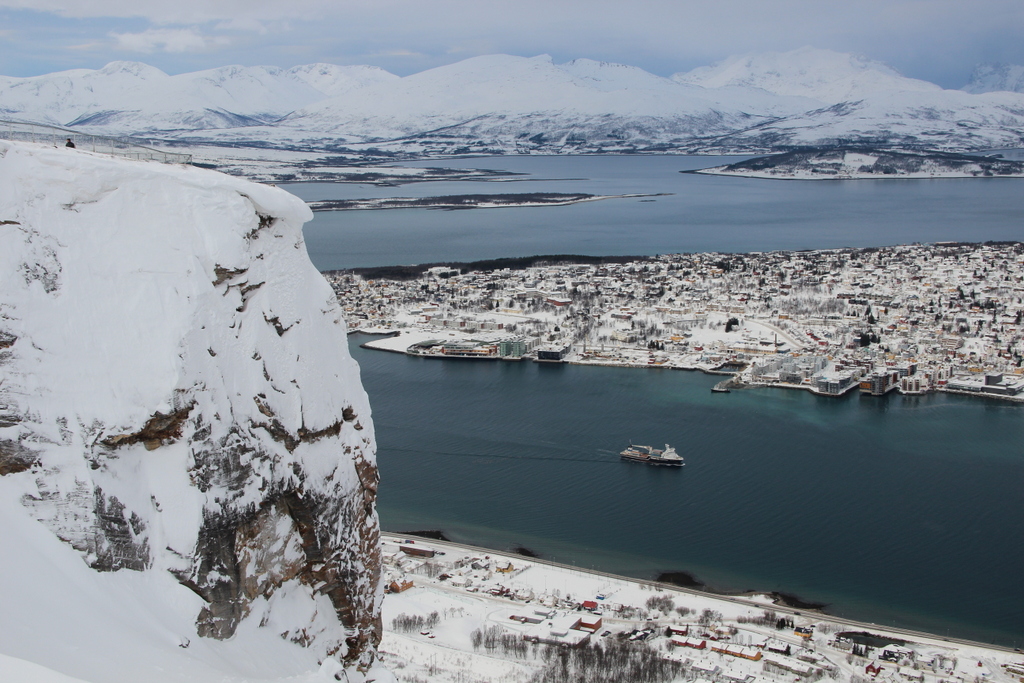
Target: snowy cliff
[177, 402]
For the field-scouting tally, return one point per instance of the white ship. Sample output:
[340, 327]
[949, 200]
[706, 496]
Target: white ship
[653, 456]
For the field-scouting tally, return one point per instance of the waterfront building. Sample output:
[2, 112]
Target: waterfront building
[836, 385]
[996, 384]
[880, 382]
[554, 352]
[513, 347]
[470, 348]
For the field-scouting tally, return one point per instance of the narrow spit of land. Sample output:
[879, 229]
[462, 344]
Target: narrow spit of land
[467, 201]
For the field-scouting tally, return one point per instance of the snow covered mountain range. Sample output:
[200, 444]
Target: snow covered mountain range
[187, 459]
[130, 97]
[507, 104]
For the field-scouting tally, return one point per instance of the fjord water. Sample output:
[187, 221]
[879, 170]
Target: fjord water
[896, 510]
[703, 213]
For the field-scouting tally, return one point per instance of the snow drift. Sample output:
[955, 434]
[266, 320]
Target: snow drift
[177, 402]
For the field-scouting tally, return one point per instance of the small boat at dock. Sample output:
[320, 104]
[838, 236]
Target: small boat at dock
[725, 385]
[653, 456]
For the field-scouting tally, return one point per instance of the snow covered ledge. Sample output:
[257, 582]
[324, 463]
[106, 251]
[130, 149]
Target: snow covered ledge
[177, 401]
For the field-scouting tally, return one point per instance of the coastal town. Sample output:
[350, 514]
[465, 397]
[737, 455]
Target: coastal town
[458, 613]
[911, 319]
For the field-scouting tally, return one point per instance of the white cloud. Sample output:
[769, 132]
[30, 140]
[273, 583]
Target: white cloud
[398, 53]
[246, 24]
[92, 46]
[186, 11]
[168, 40]
[931, 39]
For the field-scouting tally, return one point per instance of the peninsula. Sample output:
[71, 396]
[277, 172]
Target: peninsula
[847, 163]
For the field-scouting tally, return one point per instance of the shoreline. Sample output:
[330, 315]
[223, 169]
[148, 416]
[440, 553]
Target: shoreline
[676, 579]
[711, 172]
[738, 385]
[775, 599]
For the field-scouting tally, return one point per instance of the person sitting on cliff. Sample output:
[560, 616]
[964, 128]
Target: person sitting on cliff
[69, 144]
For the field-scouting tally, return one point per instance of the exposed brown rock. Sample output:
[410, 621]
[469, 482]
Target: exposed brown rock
[269, 550]
[279, 433]
[278, 326]
[246, 291]
[159, 428]
[15, 457]
[224, 274]
[310, 436]
[293, 536]
[262, 406]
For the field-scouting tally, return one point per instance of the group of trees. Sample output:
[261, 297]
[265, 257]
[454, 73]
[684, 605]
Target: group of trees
[608, 662]
[767, 618]
[785, 624]
[662, 603]
[407, 623]
[492, 637]
[867, 338]
[708, 617]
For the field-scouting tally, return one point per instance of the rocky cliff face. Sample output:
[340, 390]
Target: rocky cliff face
[176, 394]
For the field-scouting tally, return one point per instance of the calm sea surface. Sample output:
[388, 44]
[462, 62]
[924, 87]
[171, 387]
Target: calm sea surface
[904, 511]
[894, 510]
[704, 213]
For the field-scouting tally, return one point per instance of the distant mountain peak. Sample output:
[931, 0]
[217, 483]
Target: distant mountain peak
[609, 75]
[138, 69]
[825, 75]
[334, 80]
[996, 78]
[238, 69]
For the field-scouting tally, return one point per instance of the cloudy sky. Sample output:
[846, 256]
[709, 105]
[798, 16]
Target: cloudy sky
[937, 40]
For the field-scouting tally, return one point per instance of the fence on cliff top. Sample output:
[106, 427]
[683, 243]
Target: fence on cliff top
[125, 147]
